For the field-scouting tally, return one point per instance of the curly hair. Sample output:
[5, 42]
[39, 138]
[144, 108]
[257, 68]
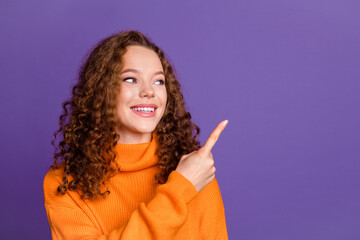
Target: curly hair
[87, 124]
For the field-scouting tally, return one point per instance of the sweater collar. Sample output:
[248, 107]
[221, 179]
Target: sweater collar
[134, 157]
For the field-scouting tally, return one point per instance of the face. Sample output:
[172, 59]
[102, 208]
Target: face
[142, 97]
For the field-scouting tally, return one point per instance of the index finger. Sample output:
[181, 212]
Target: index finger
[214, 136]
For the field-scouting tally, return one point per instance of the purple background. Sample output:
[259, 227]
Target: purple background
[285, 73]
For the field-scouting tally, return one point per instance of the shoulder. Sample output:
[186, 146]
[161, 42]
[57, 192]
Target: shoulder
[52, 180]
[54, 176]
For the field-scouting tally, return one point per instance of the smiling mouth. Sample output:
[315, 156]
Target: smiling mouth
[143, 109]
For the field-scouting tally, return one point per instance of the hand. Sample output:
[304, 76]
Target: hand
[198, 166]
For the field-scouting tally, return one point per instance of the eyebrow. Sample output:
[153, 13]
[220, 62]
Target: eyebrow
[137, 71]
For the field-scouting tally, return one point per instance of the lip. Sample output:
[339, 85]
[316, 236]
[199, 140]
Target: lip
[146, 105]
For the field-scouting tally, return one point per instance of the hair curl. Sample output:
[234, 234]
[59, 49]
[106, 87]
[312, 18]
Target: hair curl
[87, 124]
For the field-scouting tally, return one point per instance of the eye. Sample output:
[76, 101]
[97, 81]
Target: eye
[160, 82]
[130, 80]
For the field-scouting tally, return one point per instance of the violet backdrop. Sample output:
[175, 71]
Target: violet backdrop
[285, 73]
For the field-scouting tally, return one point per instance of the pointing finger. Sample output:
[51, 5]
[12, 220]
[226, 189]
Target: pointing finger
[214, 136]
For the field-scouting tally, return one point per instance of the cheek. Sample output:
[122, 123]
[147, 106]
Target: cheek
[121, 105]
[163, 96]
[125, 96]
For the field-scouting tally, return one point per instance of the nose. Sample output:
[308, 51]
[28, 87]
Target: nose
[146, 91]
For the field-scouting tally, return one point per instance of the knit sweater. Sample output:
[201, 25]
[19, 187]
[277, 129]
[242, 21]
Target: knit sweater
[137, 207]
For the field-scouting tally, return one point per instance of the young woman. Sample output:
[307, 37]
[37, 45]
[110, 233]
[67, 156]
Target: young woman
[129, 165]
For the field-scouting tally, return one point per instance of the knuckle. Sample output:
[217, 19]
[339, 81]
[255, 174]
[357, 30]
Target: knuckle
[212, 162]
[202, 153]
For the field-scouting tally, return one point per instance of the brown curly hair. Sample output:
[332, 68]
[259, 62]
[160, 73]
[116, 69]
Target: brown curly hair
[87, 124]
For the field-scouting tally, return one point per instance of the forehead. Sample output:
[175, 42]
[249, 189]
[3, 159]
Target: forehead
[141, 58]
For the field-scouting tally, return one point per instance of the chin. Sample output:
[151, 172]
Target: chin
[145, 129]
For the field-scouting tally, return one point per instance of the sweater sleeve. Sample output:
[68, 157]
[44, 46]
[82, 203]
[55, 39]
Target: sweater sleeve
[160, 218]
[222, 232]
[212, 215]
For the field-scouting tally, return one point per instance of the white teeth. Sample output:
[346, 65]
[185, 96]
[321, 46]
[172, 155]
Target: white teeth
[144, 109]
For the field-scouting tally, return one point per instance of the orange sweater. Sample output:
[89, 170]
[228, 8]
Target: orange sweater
[137, 207]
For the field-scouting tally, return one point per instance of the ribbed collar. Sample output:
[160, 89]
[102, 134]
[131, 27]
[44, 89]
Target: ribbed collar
[134, 157]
